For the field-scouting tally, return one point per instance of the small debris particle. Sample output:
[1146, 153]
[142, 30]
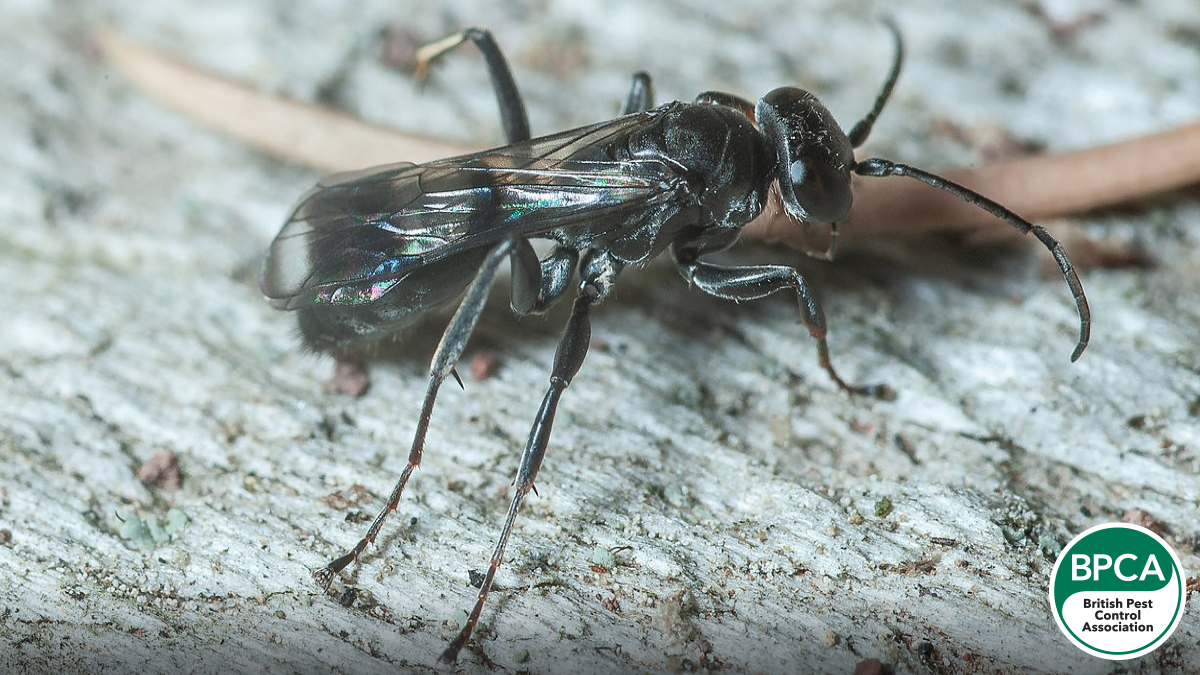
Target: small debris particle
[232, 431]
[158, 531]
[344, 499]
[861, 428]
[883, 507]
[523, 656]
[337, 501]
[350, 377]
[604, 558]
[1136, 516]
[136, 531]
[856, 519]
[348, 597]
[475, 578]
[675, 616]
[905, 446]
[161, 471]
[611, 604]
[357, 516]
[176, 520]
[912, 568]
[1065, 23]
[483, 364]
[831, 639]
[871, 667]
[5, 537]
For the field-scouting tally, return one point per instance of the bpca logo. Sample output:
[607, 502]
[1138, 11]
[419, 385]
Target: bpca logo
[1117, 591]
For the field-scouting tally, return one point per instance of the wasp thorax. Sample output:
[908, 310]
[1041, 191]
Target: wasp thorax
[813, 155]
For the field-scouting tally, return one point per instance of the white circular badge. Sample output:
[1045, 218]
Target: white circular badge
[1117, 591]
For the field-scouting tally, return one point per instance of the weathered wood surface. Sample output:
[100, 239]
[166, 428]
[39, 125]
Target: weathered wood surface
[744, 492]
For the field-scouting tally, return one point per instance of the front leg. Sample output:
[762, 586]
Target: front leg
[759, 281]
[729, 100]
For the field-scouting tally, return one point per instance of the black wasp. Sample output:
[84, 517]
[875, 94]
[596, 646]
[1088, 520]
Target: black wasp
[367, 252]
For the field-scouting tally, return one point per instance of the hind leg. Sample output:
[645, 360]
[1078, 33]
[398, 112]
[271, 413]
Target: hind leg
[512, 108]
[572, 348]
[527, 276]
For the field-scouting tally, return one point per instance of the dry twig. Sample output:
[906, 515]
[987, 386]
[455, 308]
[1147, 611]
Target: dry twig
[1037, 186]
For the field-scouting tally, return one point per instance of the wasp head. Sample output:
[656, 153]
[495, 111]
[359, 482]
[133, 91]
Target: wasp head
[813, 156]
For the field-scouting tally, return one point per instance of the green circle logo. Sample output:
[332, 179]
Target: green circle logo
[1117, 591]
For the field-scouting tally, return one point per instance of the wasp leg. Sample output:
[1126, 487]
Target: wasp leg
[861, 129]
[537, 285]
[759, 281]
[449, 349]
[512, 108]
[572, 349]
[729, 100]
[641, 94]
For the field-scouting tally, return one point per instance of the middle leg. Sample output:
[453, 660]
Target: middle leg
[641, 94]
[759, 281]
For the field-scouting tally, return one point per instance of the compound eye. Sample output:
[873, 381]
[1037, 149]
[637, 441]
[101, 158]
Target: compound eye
[822, 191]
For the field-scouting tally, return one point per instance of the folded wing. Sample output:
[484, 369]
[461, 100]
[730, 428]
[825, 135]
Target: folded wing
[355, 235]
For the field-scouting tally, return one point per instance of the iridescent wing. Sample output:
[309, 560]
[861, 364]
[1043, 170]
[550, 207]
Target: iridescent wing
[356, 235]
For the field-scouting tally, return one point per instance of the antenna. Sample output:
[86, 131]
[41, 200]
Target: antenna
[881, 167]
[858, 134]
